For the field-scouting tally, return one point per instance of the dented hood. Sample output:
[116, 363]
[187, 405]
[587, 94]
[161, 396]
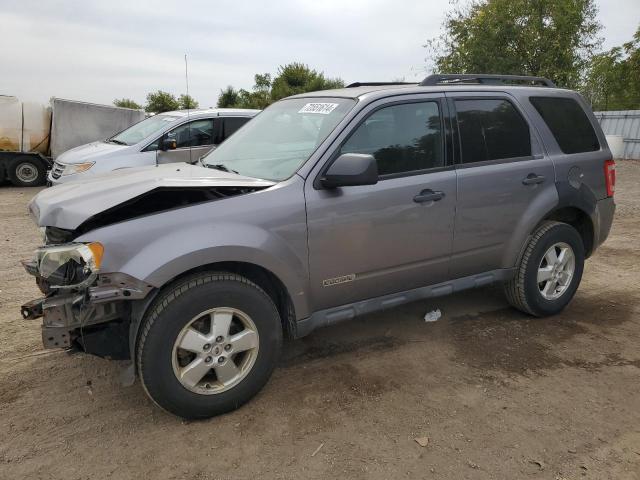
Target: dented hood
[70, 204]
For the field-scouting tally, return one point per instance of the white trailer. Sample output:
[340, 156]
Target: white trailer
[33, 135]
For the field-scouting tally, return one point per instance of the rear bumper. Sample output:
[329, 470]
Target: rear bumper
[605, 211]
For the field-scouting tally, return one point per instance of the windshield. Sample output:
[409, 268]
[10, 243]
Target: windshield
[141, 130]
[279, 140]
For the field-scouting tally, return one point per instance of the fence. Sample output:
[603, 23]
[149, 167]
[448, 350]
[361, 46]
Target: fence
[625, 123]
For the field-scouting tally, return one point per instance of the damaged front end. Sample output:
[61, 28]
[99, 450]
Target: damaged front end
[92, 308]
[81, 307]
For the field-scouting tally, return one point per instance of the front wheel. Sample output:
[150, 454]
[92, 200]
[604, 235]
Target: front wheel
[208, 345]
[549, 272]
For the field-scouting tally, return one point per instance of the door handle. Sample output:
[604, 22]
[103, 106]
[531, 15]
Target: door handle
[428, 195]
[533, 179]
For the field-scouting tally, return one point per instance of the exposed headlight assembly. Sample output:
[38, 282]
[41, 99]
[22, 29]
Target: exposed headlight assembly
[71, 168]
[73, 265]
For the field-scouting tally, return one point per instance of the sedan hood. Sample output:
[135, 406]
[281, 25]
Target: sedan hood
[90, 151]
[69, 205]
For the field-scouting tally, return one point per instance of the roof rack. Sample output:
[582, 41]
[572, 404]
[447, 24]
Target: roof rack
[377, 84]
[465, 79]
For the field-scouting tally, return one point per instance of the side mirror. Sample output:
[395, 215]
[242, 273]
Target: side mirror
[351, 169]
[168, 144]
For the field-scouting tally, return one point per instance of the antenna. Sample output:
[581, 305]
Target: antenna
[186, 79]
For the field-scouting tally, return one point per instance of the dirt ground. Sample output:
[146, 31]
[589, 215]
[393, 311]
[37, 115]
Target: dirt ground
[498, 394]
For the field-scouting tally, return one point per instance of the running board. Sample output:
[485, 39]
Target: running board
[330, 316]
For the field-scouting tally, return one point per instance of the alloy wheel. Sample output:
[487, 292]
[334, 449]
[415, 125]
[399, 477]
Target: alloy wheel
[556, 271]
[215, 350]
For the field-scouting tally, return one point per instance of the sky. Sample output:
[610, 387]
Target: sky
[97, 51]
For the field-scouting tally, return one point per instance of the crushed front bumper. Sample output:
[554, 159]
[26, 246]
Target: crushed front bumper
[69, 315]
[64, 316]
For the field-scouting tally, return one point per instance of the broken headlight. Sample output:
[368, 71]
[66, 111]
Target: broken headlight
[69, 266]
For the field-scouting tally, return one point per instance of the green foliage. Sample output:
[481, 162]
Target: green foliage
[549, 38]
[126, 103]
[187, 102]
[263, 82]
[613, 78]
[260, 96]
[229, 97]
[291, 79]
[158, 102]
[296, 78]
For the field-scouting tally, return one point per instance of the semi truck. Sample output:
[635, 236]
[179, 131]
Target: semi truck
[32, 135]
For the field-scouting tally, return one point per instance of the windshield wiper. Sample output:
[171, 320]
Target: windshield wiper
[117, 142]
[222, 167]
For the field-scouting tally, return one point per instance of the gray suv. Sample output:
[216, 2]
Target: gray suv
[326, 206]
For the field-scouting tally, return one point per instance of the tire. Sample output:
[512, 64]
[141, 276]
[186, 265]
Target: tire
[542, 299]
[168, 326]
[26, 171]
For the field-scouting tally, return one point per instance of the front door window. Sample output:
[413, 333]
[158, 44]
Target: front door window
[402, 138]
[193, 134]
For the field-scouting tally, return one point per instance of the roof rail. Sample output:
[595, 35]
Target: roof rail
[377, 84]
[465, 79]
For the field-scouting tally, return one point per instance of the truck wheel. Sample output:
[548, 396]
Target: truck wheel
[549, 272]
[26, 171]
[208, 345]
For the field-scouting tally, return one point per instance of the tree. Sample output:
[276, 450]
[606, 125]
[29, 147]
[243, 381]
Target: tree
[187, 102]
[260, 96]
[126, 103]
[613, 77]
[604, 79]
[291, 79]
[158, 102]
[297, 78]
[549, 38]
[229, 97]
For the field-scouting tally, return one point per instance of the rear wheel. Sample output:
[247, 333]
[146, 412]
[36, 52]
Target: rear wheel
[26, 171]
[549, 272]
[208, 345]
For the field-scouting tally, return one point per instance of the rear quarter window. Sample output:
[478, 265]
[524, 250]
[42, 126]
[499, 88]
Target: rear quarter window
[568, 123]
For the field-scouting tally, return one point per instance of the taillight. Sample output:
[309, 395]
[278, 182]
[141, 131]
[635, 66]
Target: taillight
[610, 177]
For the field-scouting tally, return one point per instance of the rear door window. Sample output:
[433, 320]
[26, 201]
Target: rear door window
[491, 129]
[568, 123]
[231, 124]
[402, 138]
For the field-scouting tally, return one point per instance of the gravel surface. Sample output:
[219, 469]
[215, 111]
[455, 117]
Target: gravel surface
[491, 393]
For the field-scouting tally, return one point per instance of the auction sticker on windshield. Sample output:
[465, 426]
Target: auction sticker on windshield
[322, 108]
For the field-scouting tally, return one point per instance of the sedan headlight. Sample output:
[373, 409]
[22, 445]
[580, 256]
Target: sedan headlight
[71, 168]
[69, 266]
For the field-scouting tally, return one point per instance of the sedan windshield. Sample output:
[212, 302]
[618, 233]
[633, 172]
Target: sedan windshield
[141, 130]
[279, 140]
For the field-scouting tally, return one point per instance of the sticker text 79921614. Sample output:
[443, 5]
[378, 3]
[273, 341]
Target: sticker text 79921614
[321, 108]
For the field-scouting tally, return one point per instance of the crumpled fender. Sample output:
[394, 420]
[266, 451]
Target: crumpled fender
[265, 228]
